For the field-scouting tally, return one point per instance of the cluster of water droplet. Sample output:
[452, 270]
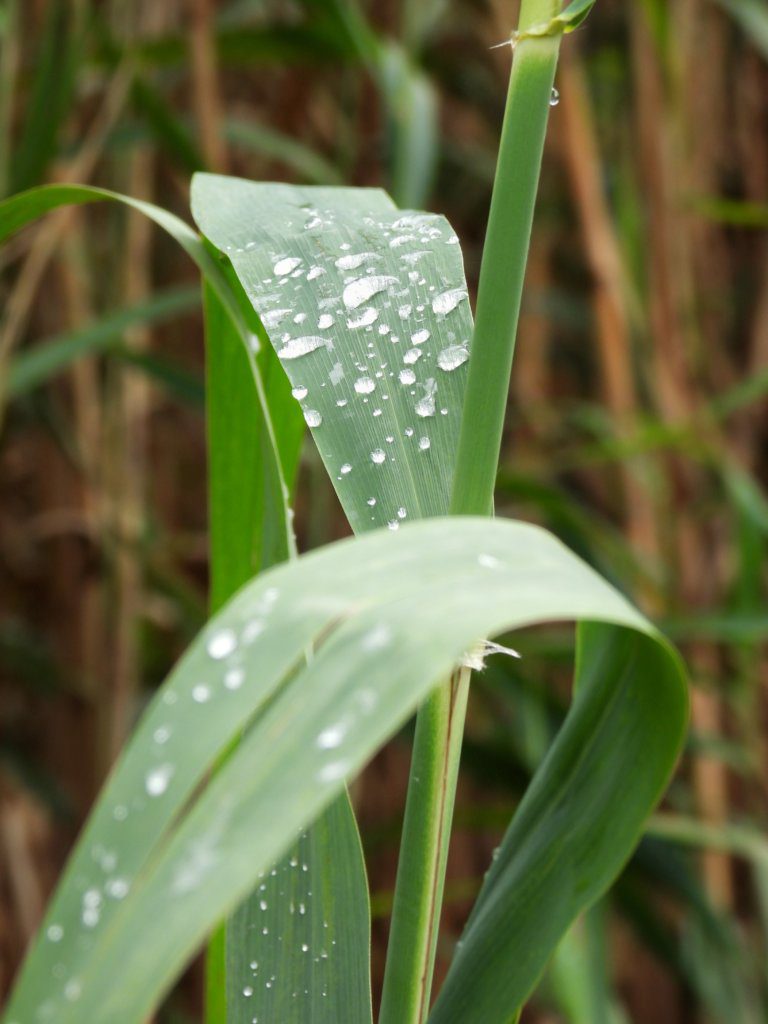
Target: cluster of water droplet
[358, 318]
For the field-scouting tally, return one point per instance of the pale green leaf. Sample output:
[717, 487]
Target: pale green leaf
[163, 857]
[367, 307]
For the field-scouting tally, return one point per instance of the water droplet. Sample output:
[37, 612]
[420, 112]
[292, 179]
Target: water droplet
[425, 407]
[341, 403]
[401, 513]
[262, 904]
[412, 356]
[346, 468]
[201, 693]
[332, 736]
[273, 318]
[488, 561]
[299, 392]
[407, 377]
[452, 357]
[371, 502]
[420, 337]
[298, 347]
[393, 525]
[378, 456]
[156, 780]
[446, 302]
[161, 734]
[424, 443]
[313, 417]
[300, 318]
[314, 273]
[353, 260]
[222, 644]
[405, 311]
[72, 990]
[324, 321]
[286, 266]
[304, 947]
[554, 98]
[364, 385]
[336, 376]
[366, 318]
[408, 431]
[247, 991]
[118, 888]
[234, 679]
[55, 933]
[364, 288]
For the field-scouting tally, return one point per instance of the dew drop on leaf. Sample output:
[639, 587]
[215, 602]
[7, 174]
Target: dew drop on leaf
[446, 302]
[452, 357]
[364, 288]
[156, 780]
[298, 347]
[222, 644]
[286, 266]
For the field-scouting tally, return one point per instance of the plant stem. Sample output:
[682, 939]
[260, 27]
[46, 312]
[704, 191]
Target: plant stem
[440, 722]
[423, 853]
[503, 265]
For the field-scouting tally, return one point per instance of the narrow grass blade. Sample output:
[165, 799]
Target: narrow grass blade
[163, 858]
[34, 366]
[50, 96]
[248, 535]
[283, 966]
[264, 141]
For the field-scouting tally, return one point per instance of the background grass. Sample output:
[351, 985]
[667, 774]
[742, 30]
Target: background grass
[636, 428]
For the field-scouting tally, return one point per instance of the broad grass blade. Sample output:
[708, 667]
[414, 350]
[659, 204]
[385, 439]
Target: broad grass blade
[163, 858]
[367, 308]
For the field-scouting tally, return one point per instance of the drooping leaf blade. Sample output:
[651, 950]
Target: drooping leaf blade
[579, 821]
[33, 366]
[389, 615]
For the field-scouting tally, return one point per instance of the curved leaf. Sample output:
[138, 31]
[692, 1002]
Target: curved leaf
[389, 615]
[367, 308]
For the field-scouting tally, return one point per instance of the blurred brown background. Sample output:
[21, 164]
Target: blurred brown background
[638, 418]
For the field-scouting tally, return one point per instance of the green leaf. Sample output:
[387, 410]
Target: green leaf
[281, 962]
[50, 95]
[163, 857]
[752, 16]
[34, 366]
[574, 15]
[367, 308]
[556, 858]
[246, 538]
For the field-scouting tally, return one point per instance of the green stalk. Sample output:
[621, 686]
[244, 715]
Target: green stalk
[423, 853]
[440, 722]
[503, 266]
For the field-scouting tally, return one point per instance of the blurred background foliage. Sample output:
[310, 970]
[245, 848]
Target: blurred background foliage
[638, 419]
